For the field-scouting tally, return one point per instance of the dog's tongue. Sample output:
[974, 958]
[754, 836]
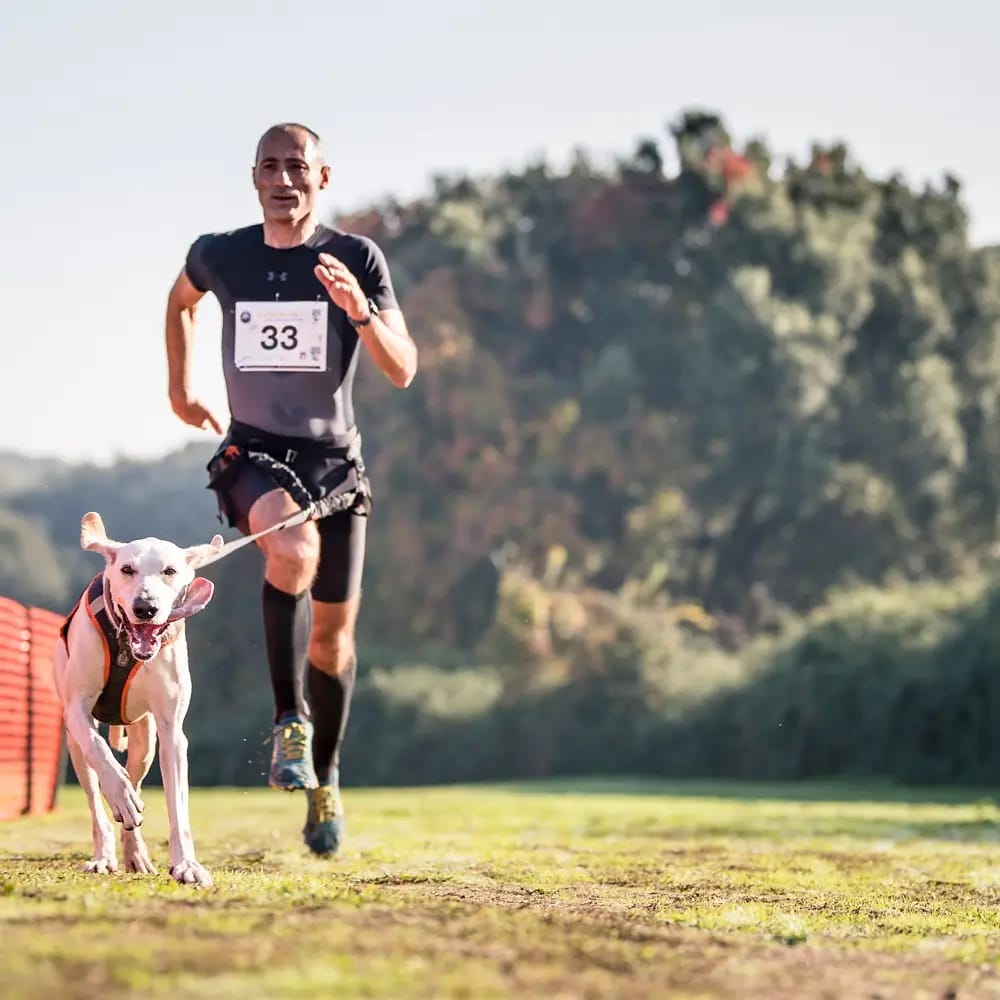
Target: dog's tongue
[145, 640]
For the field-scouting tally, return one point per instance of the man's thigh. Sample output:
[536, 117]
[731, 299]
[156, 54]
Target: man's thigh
[342, 557]
[249, 485]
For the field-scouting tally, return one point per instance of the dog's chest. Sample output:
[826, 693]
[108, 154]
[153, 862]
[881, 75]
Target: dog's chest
[158, 683]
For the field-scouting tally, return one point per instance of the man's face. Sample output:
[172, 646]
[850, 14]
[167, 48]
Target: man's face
[288, 175]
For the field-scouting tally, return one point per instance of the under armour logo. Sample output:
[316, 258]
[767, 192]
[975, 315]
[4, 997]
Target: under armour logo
[281, 276]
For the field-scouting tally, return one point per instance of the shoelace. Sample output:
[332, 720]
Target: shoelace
[293, 741]
[323, 804]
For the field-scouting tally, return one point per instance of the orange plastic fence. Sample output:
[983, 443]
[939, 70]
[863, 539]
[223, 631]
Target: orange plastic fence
[31, 724]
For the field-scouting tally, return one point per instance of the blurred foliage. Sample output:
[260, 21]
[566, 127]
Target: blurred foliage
[662, 417]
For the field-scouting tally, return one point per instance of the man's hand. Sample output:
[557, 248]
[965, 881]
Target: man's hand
[341, 286]
[195, 413]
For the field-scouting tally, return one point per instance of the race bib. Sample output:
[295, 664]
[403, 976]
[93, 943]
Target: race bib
[281, 336]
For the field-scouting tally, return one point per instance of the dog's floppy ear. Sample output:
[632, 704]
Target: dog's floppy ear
[197, 553]
[93, 537]
[199, 593]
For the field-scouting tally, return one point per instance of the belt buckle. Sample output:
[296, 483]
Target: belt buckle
[290, 455]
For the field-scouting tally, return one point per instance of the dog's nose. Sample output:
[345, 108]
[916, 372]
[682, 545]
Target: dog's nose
[144, 610]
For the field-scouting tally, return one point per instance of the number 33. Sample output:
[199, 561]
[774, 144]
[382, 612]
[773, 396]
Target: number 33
[271, 342]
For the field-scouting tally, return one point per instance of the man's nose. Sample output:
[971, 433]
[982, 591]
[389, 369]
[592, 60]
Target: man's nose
[144, 609]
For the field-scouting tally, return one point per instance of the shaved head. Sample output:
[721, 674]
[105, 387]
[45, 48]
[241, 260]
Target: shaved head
[289, 173]
[291, 128]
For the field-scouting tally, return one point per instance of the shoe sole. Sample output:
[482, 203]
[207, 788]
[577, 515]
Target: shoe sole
[291, 787]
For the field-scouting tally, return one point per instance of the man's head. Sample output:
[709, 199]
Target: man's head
[289, 172]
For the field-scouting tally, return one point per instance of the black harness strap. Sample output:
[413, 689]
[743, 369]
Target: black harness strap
[119, 663]
[278, 464]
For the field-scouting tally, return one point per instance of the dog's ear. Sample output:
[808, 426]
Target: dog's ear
[197, 553]
[93, 537]
[199, 593]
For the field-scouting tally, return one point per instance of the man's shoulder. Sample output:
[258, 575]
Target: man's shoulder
[339, 242]
[232, 238]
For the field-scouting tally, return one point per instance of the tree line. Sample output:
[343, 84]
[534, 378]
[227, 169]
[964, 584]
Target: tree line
[681, 439]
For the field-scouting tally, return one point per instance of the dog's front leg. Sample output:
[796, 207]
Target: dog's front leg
[174, 768]
[126, 806]
[104, 861]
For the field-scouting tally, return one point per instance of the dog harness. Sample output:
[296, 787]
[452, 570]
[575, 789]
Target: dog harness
[120, 666]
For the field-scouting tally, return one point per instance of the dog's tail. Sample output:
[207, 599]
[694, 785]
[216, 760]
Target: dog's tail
[118, 738]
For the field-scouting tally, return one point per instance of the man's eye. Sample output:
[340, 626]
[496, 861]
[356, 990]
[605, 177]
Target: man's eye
[128, 571]
[170, 571]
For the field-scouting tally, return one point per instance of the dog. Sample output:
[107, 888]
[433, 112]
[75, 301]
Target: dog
[123, 660]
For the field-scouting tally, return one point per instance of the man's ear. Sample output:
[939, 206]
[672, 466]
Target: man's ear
[93, 537]
[196, 554]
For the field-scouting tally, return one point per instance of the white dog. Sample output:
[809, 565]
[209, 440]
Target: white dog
[123, 660]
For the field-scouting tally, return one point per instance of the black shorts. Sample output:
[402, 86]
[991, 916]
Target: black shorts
[318, 470]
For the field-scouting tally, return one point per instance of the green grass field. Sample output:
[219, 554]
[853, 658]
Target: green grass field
[574, 889]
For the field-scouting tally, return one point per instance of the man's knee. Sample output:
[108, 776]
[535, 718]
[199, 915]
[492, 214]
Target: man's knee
[292, 555]
[332, 650]
[296, 549]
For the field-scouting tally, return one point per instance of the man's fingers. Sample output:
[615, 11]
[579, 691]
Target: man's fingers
[334, 266]
[201, 416]
[325, 275]
[336, 280]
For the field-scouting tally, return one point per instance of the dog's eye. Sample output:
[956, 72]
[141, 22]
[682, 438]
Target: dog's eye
[128, 570]
[170, 571]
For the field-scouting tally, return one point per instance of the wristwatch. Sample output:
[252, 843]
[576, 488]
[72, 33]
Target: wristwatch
[372, 311]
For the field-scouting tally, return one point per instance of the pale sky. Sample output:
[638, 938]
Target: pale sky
[131, 127]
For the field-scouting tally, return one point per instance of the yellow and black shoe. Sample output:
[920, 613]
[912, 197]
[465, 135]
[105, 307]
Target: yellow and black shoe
[324, 830]
[291, 755]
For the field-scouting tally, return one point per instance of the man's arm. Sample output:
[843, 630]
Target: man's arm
[389, 343]
[182, 305]
[385, 336]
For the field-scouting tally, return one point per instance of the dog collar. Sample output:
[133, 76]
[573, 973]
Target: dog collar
[117, 620]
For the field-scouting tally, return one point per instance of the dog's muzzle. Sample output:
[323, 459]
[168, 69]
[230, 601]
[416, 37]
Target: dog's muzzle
[144, 638]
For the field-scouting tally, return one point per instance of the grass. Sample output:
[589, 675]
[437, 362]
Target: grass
[553, 889]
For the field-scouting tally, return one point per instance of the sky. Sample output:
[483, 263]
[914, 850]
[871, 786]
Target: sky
[130, 130]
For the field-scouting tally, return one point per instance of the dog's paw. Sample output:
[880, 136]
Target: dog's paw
[101, 866]
[126, 806]
[191, 873]
[137, 860]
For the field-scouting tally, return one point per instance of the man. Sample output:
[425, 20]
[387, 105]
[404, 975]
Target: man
[296, 298]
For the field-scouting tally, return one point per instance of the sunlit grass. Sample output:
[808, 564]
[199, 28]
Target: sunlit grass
[551, 889]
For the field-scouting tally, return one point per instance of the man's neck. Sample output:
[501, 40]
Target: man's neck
[284, 235]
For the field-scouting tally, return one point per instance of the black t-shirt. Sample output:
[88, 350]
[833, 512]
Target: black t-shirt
[289, 355]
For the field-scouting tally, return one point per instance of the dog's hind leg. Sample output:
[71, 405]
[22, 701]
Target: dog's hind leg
[104, 860]
[141, 749]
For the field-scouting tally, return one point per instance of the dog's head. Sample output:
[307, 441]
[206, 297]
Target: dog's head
[151, 583]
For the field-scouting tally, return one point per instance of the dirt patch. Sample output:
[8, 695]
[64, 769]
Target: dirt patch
[581, 931]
